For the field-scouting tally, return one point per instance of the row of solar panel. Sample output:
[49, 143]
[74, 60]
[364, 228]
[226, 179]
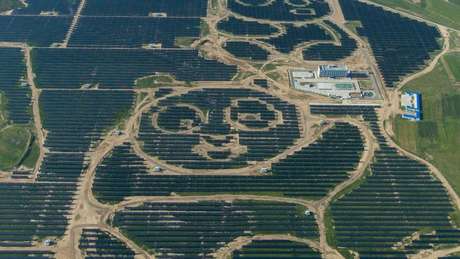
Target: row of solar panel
[197, 229]
[398, 197]
[401, 45]
[13, 87]
[119, 68]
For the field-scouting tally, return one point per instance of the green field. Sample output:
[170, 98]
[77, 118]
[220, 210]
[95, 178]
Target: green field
[454, 38]
[453, 62]
[154, 81]
[353, 26]
[32, 155]
[204, 27]
[3, 114]
[6, 5]
[437, 137]
[184, 42]
[14, 142]
[439, 11]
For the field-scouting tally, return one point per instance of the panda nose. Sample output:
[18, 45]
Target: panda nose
[218, 140]
[215, 124]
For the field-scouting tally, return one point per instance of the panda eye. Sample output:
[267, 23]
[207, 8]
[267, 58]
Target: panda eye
[252, 115]
[179, 119]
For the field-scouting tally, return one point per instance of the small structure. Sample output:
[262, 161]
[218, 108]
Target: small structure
[160, 15]
[334, 88]
[152, 46]
[359, 74]
[411, 104]
[117, 132]
[307, 212]
[157, 169]
[333, 71]
[48, 242]
[334, 81]
[264, 170]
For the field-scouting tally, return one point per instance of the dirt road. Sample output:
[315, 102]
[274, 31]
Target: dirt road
[89, 212]
[74, 23]
[226, 251]
[35, 110]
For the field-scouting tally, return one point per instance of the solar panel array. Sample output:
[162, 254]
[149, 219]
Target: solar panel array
[296, 35]
[132, 32]
[286, 42]
[36, 7]
[119, 68]
[330, 51]
[178, 148]
[279, 10]
[98, 112]
[196, 229]
[398, 198]
[308, 173]
[247, 50]
[241, 27]
[261, 82]
[271, 249]
[435, 239]
[37, 254]
[293, 36]
[400, 45]
[388, 203]
[32, 212]
[12, 70]
[95, 243]
[172, 8]
[34, 30]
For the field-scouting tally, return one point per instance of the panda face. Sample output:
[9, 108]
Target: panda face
[219, 128]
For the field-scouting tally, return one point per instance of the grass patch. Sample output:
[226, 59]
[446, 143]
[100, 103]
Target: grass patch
[353, 26]
[269, 67]
[437, 137]
[242, 75]
[330, 230]
[121, 117]
[204, 28]
[427, 129]
[454, 38]
[6, 5]
[438, 11]
[14, 142]
[257, 65]
[184, 42]
[455, 217]
[453, 62]
[214, 6]
[157, 80]
[3, 113]
[32, 155]
[347, 254]
[274, 75]
[365, 84]
[329, 221]
[140, 97]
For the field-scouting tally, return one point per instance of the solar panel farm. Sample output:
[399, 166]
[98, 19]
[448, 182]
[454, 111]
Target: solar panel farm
[229, 129]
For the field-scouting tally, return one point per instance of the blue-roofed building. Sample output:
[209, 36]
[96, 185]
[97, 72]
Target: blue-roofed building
[333, 71]
[411, 104]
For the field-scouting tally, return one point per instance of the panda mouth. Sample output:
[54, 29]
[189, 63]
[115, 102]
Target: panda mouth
[220, 147]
